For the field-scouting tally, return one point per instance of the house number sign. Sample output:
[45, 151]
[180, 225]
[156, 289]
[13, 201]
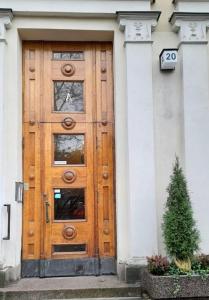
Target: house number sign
[168, 59]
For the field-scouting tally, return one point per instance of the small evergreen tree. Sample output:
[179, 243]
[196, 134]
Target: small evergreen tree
[179, 228]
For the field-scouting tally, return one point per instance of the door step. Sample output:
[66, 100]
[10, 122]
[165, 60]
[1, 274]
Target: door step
[113, 298]
[86, 287]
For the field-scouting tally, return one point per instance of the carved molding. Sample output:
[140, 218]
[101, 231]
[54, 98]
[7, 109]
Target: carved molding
[69, 232]
[68, 69]
[69, 176]
[6, 17]
[68, 123]
[192, 27]
[138, 26]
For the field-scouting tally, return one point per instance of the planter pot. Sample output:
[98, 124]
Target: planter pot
[169, 287]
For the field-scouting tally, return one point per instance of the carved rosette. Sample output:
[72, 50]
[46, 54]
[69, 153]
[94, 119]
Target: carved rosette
[69, 232]
[30, 233]
[68, 123]
[106, 231]
[105, 175]
[103, 69]
[32, 69]
[69, 176]
[68, 69]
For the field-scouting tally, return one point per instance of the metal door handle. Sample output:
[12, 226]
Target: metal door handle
[47, 211]
[8, 222]
[46, 208]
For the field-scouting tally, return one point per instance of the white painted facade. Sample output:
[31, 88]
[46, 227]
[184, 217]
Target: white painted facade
[157, 114]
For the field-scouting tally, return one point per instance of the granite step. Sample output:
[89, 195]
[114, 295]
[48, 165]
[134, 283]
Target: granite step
[85, 287]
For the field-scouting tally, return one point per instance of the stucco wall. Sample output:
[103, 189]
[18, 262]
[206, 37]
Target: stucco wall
[168, 110]
[170, 114]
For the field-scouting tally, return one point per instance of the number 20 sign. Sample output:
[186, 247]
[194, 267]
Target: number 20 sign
[168, 59]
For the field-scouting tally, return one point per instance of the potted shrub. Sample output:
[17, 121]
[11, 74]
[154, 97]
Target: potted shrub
[183, 275]
[179, 229]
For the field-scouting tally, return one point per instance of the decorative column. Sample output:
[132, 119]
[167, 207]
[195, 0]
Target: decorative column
[5, 22]
[193, 52]
[142, 215]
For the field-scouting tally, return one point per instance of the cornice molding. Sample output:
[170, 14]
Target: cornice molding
[150, 14]
[197, 1]
[138, 26]
[76, 8]
[188, 16]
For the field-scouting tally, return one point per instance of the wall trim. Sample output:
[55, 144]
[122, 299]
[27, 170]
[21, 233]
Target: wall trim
[188, 16]
[77, 9]
[197, 1]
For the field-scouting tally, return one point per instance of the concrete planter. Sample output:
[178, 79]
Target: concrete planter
[169, 287]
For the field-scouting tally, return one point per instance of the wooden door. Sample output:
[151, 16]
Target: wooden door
[69, 211]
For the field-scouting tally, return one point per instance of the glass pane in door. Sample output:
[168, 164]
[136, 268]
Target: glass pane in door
[69, 149]
[68, 96]
[69, 204]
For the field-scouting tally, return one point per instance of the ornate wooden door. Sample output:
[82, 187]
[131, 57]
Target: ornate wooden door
[68, 215]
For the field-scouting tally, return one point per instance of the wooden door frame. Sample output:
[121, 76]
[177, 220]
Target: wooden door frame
[104, 265]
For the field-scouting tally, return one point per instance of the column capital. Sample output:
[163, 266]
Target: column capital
[138, 26]
[6, 17]
[192, 27]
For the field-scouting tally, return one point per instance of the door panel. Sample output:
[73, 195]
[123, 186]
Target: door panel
[69, 210]
[70, 176]
[79, 72]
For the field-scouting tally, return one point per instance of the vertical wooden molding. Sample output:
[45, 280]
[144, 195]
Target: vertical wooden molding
[31, 157]
[105, 152]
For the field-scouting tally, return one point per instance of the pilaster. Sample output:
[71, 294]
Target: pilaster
[142, 215]
[5, 23]
[193, 50]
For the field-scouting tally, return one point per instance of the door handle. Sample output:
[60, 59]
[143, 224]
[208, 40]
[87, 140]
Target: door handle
[8, 206]
[47, 211]
[46, 202]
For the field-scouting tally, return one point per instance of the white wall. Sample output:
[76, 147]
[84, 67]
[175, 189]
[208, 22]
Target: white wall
[66, 8]
[168, 114]
[170, 117]
[13, 145]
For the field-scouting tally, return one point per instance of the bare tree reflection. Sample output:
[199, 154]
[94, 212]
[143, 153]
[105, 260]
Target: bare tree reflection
[68, 55]
[69, 148]
[71, 103]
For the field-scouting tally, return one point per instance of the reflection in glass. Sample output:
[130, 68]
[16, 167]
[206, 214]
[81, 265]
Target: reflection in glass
[69, 149]
[68, 96]
[69, 204]
[70, 248]
[70, 55]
